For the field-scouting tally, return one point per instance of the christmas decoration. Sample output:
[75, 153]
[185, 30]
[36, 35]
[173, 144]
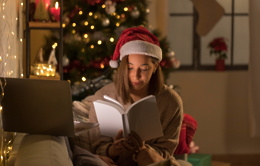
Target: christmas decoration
[218, 47]
[65, 60]
[210, 12]
[41, 13]
[135, 13]
[91, 30]
[39, 56]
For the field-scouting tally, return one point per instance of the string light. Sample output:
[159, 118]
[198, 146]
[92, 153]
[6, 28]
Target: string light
[125, 9]
[63, 25]
[86, 23]
[92, 27]
[90, 13]
[92, 46]
[95, 16]
[22, 4]
[85, 35]
[74, 24]
[21, 40]
[103, 6]
[112, 39]
[83, 79]
[73, 31]
[118, 24]
[118, 17]
[102, 65]
[99, 42]
[80, 12]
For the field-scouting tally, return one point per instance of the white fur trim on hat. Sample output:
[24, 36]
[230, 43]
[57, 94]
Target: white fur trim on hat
[141, 47]
[113, 63]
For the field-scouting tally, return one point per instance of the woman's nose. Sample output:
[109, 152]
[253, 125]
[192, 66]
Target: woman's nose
[138, 73]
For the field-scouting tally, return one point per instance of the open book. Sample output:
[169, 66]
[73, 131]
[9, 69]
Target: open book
[141, 117]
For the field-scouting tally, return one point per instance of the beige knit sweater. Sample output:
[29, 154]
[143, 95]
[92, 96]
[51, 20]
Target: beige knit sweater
[170, 108]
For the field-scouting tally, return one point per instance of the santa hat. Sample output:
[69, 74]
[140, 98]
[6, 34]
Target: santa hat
[137, 40]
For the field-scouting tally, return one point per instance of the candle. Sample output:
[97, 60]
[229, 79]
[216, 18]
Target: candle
[55, 11]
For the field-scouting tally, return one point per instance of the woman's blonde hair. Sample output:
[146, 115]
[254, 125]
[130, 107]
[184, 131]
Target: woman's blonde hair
[121, 80]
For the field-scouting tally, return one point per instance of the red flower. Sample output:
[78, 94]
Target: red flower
[218, 47]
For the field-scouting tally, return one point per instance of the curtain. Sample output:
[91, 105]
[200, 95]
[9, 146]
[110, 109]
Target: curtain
[254, 67]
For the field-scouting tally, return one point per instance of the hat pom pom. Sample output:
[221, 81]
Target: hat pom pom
[113, 63]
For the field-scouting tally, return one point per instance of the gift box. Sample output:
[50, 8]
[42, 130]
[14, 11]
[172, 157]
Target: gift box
[197, 159]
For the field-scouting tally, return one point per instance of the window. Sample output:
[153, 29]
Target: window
[192, 50]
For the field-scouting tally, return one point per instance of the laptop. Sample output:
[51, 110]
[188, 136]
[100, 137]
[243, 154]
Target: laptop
[37, 107]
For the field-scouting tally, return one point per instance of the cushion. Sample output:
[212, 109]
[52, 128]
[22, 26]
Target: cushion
[42, 150]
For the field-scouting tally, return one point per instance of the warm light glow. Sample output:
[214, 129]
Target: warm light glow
[86, 23]
[103, 6]
[0, 58]
[82, 50]
[54, 46]
[41, 69]
[95, 16]
[14, 56]
[99, 42]
[73, 31]
[80, 12]
[1, 108]
[22, 75]
[21, 40]
[12, 33]
[85, 35]
[74, 24]
[102, 65]
[90, 13]
[126, 9]
[123, 15]
[56, 5]
[83, 79]
[21, 4]
[114, 14]
[63, 25]
[92, 46]
[92, 27]
[4, 17]
[117, 24]
[112, 39]
[118, 17]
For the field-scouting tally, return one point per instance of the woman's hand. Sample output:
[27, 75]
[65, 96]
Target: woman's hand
[137, 142]
[119, 146]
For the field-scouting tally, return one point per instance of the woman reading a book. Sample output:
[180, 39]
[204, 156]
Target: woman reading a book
[138, 76]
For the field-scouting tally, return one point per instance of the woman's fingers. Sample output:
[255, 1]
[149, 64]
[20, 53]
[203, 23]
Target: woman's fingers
[119, 135]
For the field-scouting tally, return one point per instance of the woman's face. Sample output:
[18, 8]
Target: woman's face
[140, 70]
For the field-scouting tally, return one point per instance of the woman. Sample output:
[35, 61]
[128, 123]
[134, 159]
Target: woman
[138, 76]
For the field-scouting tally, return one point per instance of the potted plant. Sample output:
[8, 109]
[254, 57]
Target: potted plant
[218, 48]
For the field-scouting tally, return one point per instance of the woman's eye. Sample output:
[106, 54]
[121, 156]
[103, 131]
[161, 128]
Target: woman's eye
[130, 68]
[144, 69]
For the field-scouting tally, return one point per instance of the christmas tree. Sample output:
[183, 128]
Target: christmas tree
[91, 31]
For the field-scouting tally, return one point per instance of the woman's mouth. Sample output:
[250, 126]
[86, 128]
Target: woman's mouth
[136, 83]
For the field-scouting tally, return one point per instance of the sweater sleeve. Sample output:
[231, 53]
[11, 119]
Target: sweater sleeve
[99, 143]
[171, 115]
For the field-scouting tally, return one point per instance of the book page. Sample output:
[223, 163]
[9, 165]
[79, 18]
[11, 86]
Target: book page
[144, 119]
[113, 100]
[109, 117]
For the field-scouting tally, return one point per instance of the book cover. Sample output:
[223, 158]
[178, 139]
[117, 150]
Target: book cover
[141, 117]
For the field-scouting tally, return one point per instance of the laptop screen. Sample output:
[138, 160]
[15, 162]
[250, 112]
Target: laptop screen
[37, 107]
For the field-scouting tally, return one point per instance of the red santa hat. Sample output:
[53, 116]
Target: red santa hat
[136, 40]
